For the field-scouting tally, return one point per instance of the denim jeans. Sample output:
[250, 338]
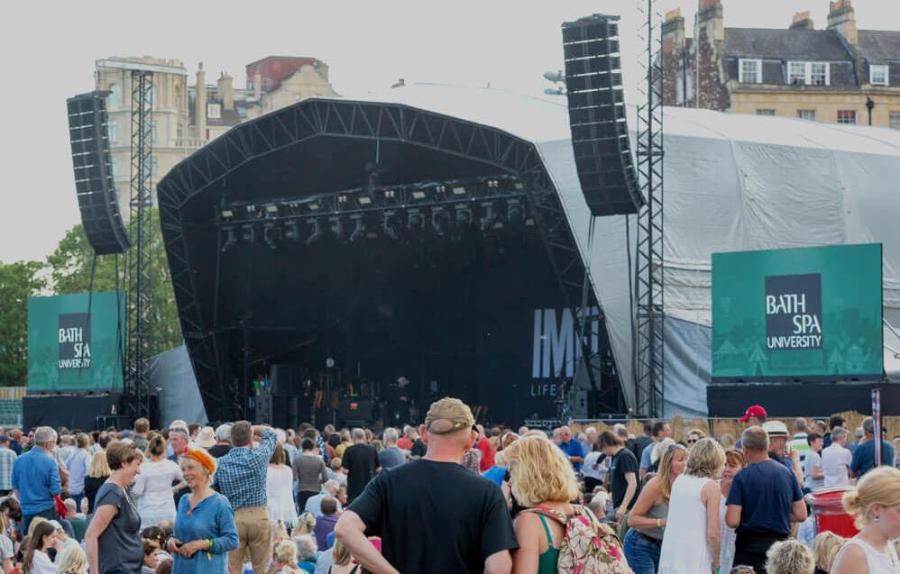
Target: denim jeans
[49, 514]
[641, 553]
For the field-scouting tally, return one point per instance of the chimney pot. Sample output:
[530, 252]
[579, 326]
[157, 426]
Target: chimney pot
[802, 21]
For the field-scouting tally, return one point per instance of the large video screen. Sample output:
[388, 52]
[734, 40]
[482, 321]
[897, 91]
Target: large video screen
[798, 314]
[74, 343]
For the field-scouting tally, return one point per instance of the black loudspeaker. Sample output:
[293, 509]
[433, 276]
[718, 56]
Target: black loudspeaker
[286, 380]
[597, 115]
[97, 197]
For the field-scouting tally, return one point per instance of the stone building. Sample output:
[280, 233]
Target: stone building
[185, 117]
[836, 75]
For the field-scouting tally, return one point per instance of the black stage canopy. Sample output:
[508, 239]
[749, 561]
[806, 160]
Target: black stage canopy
[359, 242]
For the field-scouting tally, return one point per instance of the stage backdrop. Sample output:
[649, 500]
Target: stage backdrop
[74, 343]
[798, 314]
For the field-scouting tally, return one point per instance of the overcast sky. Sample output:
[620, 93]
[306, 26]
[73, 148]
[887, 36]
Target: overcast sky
[49, 50]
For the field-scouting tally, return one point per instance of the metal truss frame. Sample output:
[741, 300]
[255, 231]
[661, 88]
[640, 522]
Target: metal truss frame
[649, 349]
[140, 260]
[317, 117]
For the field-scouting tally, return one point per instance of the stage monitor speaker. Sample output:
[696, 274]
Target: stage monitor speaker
[597, 116]
[97, 197]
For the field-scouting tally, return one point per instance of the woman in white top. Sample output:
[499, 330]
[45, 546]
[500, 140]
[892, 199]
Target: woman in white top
[153, 486]
[691, 540]
[280, 489]
[734, 462]
[37, 561]
[875, 502]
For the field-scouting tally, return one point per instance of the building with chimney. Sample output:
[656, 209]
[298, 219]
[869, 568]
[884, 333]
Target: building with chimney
[185, 117]
[836, 75]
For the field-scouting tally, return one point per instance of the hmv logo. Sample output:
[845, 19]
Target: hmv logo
[555, 350]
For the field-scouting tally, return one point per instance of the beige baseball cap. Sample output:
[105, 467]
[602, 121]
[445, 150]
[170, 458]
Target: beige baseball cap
[448, 415]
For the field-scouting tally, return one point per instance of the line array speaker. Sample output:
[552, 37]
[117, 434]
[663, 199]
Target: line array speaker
[597, 115]
[97, 197]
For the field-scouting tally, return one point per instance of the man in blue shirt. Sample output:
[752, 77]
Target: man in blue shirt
[35, 477]
[764, 499]
[571, 447]
[241, 477]
[661, 431]
[864, 454]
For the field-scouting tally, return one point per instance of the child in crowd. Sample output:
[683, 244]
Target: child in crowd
[284, 558]
[825, 548]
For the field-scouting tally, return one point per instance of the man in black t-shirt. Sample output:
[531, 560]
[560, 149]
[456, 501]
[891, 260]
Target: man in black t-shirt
[432, 514]
[623, 471]
[361, 462]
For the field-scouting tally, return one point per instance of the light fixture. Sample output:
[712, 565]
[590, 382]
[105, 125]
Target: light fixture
[271, 208]
[459, 190]
[271, 235]
[389, 224]
[364, 200]
[230, 239]
[342, 199]
[248, 233]
[313, 206]
[292, 230]
[440, 220]
[415, 219]
[227, 213]
[359, 229]
[515, 212]
[489, 216]
[463, 216]
[315, 231]
[337, 227]
[418, 194]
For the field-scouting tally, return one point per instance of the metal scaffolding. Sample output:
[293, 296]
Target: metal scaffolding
[140, 318]
[649, 354]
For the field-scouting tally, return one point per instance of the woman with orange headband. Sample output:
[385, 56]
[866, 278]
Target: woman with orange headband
[204, 526]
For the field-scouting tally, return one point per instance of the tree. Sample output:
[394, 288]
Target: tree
[70, 272]
[18, 281]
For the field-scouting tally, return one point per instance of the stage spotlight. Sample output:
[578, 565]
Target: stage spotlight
[230, 239]
[337, 228]
[364, 200]
[459, 190]
[489, 216]
[315, 231]
[463, 216]
[359, 230]
[415, 220]
[292, 230]
[389, 225]
[313, 206]
[440, 220]
[418, 194]
[227, 213]
[342, 199]
[515, 213]
[272, 209]
[248, 234]
[271, 235]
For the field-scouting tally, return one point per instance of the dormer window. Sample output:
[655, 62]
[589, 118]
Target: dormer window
[878, 75]
[809, 74]
[750, 71]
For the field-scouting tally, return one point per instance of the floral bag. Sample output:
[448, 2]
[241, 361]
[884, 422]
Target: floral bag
[588, 546]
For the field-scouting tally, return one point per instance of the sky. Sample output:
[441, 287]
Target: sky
[49, 50]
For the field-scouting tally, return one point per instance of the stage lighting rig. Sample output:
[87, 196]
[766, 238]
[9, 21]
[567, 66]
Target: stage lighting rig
[292, 230]
[463, 216]
[415, 220]
[489, 216]
[515, 213]
[248, 233]
[337, 228]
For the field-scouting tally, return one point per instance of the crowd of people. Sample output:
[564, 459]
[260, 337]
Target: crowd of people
[445, 496]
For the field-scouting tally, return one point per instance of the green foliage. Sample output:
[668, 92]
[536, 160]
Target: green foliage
[17, 282]
[70, 272]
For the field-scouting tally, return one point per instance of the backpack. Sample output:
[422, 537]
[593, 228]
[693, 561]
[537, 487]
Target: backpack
[588, 546]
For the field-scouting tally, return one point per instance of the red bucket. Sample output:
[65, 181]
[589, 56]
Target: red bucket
[829, 512]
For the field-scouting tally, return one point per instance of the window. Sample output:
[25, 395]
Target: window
[112, 131]
[153, 127]
[114, 98]
[750, 71]
[846, 116]
[809, 74]
[878, 75]
[807, 115]
[114, 167]
[818, 74]
[765, 112]
[152, 166]
[895, 120]
[796, 73]
[213, 111]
